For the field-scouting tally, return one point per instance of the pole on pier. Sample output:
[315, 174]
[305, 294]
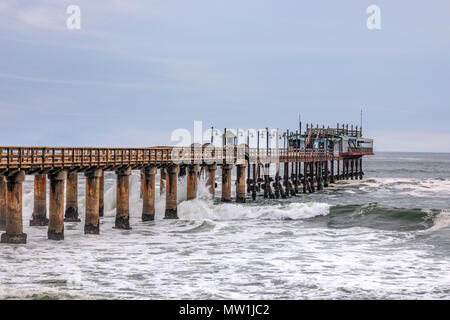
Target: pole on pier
[226, 182]
[171, 211]
[148, 193]
[56, 221]
[71, 214]
[123, 199]
[39, 217]
[240, 183]
[92, 219]
[14, 226]
[192, 181]
[2, 202]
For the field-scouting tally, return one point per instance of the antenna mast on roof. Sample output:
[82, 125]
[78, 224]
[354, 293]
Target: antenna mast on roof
[361, 120]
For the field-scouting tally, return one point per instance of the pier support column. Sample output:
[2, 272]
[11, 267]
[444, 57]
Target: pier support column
[171, 192]
[56, 221]
[123, 199]
[325, 180]
[101, 196]
[254, 182]
[345, 169]
[211, 182]
[39, 217]
[356, 169]
[305, 176]
[2, 202]
[14, 226]
[226, 182]
[192, 181]
[240, 183]
[338, 172]
[311, 173]
[352, 172]
[332, 177]
[71, 214]
[92, 220]
[360, 169]
[148, 193]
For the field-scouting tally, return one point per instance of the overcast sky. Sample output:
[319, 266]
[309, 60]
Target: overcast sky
[137, 70]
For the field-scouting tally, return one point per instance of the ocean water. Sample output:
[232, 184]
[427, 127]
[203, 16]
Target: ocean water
[385, 237]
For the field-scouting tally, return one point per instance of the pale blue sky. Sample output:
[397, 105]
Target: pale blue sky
[137, 70]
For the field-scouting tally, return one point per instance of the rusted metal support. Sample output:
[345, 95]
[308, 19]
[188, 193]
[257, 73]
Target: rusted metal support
[92, 219]
[226, 182]
[56, 221]
[192, 181]
[39, 217]
[14, 226]
[211, 182]
[3, 206]
[71, 214]
[171, 192]
[148, 193]
[101, 196]
[240, 183]
[123, 199]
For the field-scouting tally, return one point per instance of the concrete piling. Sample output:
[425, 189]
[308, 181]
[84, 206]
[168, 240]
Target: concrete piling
[192, 181]
[211, 182]
[14, 225]
[171, 192]
[148, 193]
[123, 199]
[226, 182]
[92, 220]
[71, 214]
[352, 165]
[240, 183]
[39, 217]
[2, 202]
[101, 197]
[56, 221]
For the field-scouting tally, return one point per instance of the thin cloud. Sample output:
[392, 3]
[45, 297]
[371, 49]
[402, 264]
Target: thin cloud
[82, 83]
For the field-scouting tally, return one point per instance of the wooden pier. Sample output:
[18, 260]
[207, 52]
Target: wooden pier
[307, 163]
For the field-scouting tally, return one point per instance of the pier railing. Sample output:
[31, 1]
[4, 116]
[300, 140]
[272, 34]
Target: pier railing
[61, 157]
[361, 150]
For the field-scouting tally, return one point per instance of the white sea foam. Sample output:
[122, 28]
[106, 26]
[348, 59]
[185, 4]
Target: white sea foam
[441, 221]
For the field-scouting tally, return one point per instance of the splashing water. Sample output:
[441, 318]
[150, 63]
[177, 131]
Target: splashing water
[386, 236]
